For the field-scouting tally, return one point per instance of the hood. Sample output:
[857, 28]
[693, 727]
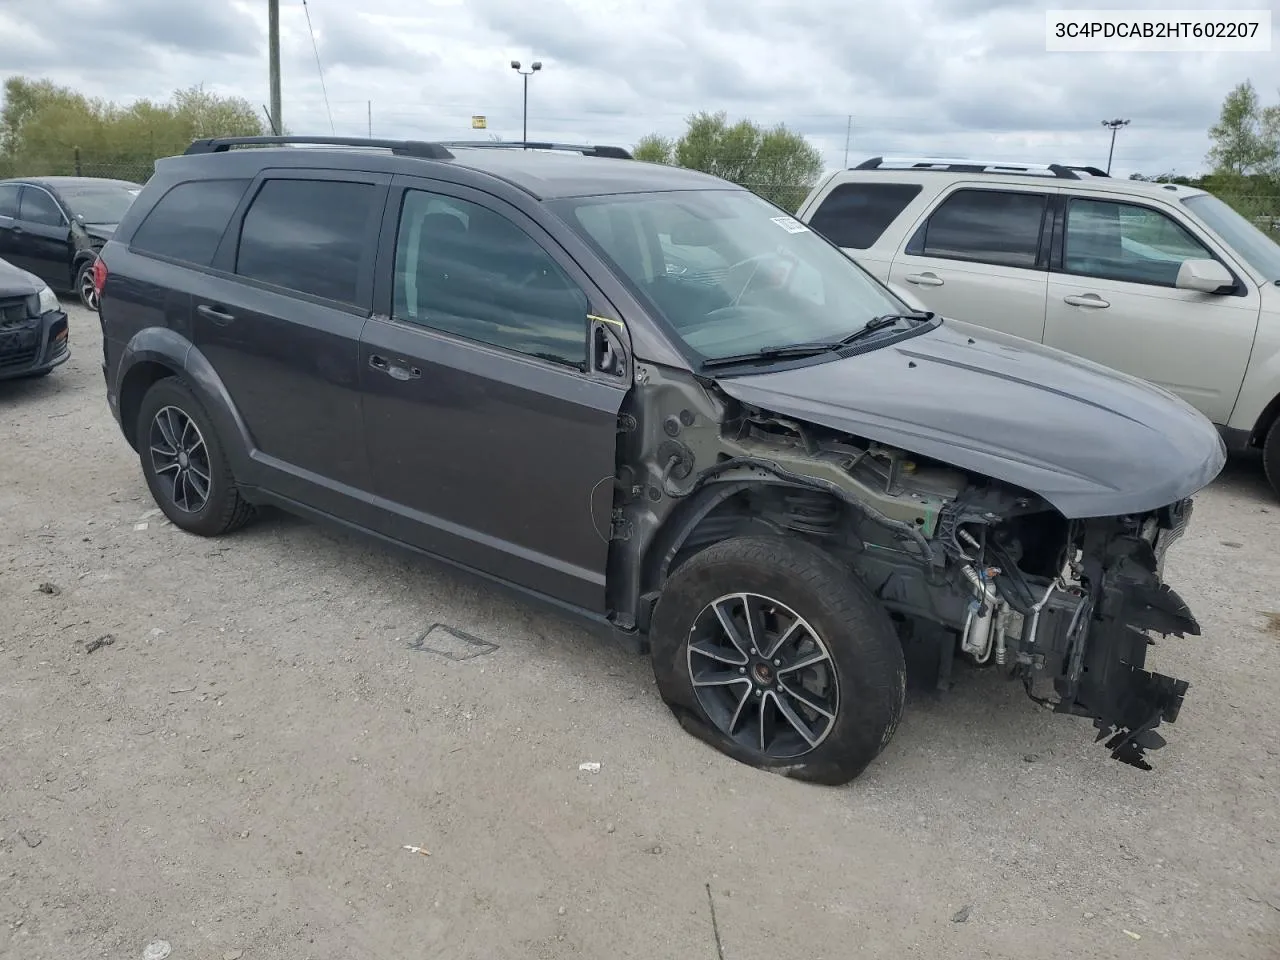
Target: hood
[100, 231]
[1091, 441]
[18, 283]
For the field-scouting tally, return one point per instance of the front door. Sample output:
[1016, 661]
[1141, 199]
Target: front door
[280, 323]
[42, 238]
[980, 256]
[1112, 299]
[491, 437]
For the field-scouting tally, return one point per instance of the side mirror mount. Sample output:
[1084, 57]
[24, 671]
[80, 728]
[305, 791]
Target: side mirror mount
[1206, 276]
[609, 353]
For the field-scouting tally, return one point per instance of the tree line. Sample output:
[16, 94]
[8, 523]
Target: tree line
[46, 129]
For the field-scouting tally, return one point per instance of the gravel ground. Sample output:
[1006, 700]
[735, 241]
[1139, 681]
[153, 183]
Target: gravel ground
[238, 772]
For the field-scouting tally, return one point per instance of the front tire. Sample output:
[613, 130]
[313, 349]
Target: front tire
[86, 290]
[769, 650]
[184, 463]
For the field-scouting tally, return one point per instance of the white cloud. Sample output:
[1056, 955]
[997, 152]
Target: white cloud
[942, 77]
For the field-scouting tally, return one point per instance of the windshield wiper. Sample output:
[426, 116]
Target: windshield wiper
[813, 348]
[885, 320]
[782, 351]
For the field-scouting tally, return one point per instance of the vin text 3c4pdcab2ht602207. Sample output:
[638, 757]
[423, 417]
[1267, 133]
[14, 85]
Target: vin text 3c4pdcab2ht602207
[653, 399]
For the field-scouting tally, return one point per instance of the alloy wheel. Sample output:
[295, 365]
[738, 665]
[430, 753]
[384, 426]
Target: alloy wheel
[180, 459]
[763, 675]
[88, 290]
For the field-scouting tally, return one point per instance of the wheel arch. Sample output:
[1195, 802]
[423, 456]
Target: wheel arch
[156, 353]
[1270, 413]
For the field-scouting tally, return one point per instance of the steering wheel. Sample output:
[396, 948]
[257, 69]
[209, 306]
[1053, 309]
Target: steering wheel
[755, 262]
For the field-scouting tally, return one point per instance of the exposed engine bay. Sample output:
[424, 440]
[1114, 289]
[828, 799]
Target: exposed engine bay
[967, 566]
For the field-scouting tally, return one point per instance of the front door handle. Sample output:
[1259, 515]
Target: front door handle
[924, 279]
[215, 314]
[1088, 300]
[394, 370]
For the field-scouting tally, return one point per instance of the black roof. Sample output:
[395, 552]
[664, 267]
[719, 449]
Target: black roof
[546, 171]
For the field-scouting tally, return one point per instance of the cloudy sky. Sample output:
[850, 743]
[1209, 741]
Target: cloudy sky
[918, 77]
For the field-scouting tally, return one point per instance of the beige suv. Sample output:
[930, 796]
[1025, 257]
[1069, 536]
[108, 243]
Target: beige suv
[1164, 282]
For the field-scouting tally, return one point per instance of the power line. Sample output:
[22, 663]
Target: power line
[319, 69]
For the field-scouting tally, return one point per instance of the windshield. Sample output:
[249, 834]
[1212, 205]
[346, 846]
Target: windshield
[1257, 249]
[731, 273]
[99, 203]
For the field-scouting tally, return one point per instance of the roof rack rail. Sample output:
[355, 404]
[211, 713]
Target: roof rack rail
[588, 150]
[408, 148]
[1058, 170]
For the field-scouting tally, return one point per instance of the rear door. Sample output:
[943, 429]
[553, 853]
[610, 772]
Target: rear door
[981, 255]
[1112, 299]
[41, 237]
[491, 437]
[279, 320]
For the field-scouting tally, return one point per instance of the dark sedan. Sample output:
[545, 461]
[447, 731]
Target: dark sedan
[55, 226]
[33, 327]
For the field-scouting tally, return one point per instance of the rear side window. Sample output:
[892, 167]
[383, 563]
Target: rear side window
[9, 200]
[989, 226]
[39, 207]
[308, 236]
[189, 220]
[854, 215]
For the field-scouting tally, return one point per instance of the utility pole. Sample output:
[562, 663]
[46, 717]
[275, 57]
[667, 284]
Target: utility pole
[848, 129]
[1114, 125]
[533, 68]
[273, 54]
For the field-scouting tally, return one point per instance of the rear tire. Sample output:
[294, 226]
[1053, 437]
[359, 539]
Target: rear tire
[823, 702]
[1271, 456]
[184, 463]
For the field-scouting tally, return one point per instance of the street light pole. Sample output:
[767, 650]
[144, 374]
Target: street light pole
[1114, 125]
[526, 74]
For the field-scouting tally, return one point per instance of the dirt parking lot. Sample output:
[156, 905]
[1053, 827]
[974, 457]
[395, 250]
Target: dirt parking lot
[239, 771]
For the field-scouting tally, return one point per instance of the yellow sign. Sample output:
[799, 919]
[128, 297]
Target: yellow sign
[479, 123]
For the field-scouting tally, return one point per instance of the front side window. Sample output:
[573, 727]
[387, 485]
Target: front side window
[187, 223]
[39, 207]
[986, 226]
[1122, 241]
[854, 215]
[309, 236]
[762, 278]
[469, 271]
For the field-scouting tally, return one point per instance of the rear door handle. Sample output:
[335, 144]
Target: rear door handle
[1088, 300]
[394, 370]
[924, 279]
[215, 314]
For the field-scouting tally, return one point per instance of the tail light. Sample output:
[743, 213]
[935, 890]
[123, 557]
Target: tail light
[99, 276]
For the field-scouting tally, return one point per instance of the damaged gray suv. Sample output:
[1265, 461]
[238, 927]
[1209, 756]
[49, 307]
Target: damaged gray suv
[662, 404]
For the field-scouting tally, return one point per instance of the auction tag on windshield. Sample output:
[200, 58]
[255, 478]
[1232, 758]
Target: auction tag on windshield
[790, 224]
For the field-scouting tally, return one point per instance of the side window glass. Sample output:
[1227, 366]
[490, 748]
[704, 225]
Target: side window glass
[1121, 241]
[989, 226]
[39, 207]
[9, 200]
[469, 271]
[188, 222]
[854, 215]
[309, 236]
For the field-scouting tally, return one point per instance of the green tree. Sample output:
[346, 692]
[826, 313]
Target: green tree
[46, 129]
[776, 163]
[1246, 138]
